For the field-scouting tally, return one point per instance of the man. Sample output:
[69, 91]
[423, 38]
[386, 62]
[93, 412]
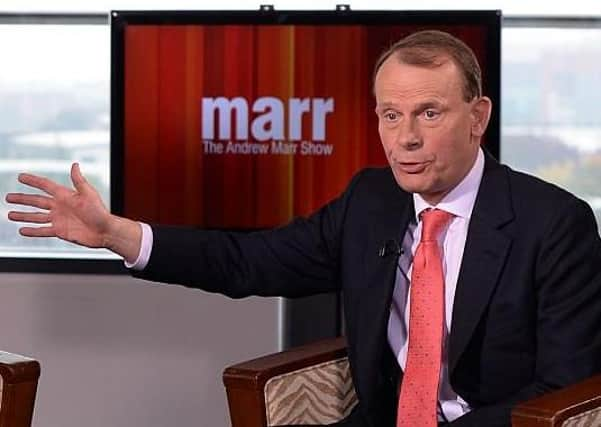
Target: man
[467, 286]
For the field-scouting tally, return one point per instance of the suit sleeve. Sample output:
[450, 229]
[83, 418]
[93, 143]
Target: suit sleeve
[568, 281]
[299, 259]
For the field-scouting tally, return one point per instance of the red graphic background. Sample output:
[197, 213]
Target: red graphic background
[168, 70]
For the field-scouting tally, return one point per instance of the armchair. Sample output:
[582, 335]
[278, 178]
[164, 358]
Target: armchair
[17, 389]
[312, 384]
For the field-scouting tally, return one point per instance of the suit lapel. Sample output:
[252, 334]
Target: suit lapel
[388, 217]
[484, 256]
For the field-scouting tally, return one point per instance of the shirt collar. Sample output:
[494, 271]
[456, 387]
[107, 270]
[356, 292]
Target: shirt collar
[461, 199]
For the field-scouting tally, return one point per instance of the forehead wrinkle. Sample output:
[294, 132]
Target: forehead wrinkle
[418, 82]
[427, 89]
[417, 99]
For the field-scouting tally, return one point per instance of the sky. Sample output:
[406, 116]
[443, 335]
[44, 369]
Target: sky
[62, 53]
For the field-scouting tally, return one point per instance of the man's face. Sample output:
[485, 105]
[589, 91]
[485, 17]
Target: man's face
[430, 134]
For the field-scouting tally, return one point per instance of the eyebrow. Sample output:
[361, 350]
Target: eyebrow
[429, 104]
[385, 105]
[419, 107]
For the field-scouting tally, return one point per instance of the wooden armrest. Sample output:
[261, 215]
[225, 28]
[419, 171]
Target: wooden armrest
[19, 384]
[553, 409]
[244, 382]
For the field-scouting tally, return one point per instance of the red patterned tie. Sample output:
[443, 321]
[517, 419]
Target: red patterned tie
[419, 389]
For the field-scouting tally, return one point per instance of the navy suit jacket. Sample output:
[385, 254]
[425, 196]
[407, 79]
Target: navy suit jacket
[527, 309]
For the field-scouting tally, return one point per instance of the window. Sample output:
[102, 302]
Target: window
[55, 90]
[55, 93]
[550, 95]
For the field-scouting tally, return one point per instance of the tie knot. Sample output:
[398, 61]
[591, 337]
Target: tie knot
[434, 220]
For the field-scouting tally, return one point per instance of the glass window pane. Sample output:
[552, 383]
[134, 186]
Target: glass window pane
[55, 90]
[54, 87]
[550, 95]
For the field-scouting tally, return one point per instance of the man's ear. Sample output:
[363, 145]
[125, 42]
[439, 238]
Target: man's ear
[481, 110]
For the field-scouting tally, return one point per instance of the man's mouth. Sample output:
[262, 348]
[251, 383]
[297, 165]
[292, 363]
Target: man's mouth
[413, 167]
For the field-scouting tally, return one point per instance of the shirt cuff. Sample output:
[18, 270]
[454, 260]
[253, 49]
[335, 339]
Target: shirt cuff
[145, 249]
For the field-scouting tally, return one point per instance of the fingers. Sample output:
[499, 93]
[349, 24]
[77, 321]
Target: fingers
[33, 217]
[37, 231]
[79, 182]
[40, 183]
[34, 200]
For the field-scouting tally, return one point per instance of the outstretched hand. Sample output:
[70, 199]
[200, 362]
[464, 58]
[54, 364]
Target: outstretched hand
[74, 214]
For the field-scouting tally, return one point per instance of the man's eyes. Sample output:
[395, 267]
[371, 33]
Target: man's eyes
[430, 114]
[391, 116]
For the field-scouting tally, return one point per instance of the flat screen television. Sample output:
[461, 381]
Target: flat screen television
[244, 119]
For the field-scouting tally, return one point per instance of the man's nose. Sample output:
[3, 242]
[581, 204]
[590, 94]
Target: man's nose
[408, 135]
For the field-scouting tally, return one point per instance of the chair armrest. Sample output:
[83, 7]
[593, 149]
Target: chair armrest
[18, 389]
[245, 382]
[554, 408]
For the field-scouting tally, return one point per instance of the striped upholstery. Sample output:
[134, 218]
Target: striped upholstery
[590, 418]
[319, 394]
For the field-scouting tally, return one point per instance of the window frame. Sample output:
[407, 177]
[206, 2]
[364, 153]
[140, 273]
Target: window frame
[116, 266]
[71, 265]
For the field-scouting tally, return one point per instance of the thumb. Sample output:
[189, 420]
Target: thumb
[80, 183]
